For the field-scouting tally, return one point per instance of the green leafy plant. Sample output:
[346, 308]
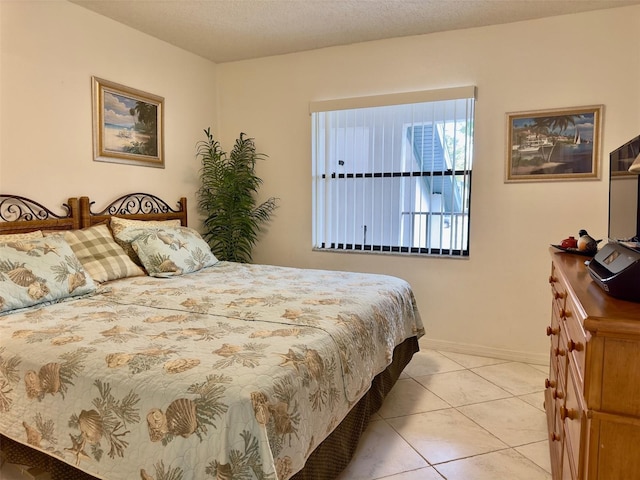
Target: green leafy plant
[227, 197]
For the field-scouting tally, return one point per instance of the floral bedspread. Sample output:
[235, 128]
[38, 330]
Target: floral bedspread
[236, 371]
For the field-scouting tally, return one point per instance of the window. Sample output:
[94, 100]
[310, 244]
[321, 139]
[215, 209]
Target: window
[393, 173]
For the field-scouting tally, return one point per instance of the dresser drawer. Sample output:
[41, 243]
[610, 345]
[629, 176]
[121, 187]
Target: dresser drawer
[572, 414]
[553, 330]
[576, 345]
[551, 382]
[567, 468]
[555, 433]
[613, 447]
[620, 387]
[559, 356]
[558, 290]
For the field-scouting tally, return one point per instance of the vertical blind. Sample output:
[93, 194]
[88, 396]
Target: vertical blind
[392, 173]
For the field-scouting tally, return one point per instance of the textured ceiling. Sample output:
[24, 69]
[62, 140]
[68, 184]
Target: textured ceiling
[230, 30]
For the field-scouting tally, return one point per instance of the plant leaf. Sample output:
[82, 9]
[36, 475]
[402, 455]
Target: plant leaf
[227, 197]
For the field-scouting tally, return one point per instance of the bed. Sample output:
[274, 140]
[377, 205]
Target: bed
[182, 366]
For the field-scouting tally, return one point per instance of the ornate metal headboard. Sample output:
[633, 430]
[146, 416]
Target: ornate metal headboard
[136, 206]
[20, 215]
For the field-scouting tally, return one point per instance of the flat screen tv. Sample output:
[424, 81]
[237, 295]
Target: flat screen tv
[624, 189]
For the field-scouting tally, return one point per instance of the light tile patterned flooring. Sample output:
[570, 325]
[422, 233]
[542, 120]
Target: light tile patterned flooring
[458, 417]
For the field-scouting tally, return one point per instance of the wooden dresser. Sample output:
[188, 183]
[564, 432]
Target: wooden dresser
[592, 395]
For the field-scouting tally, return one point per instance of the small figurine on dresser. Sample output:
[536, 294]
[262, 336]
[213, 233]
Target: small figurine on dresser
[586, 243]
[570, 242]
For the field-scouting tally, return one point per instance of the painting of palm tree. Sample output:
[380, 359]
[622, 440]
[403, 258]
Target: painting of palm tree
[146, 123]
[127, 125]
[561, 144]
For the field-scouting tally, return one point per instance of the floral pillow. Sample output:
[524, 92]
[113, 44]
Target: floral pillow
[15, 237]
[40, 270]
[167, 252]
[118, 225]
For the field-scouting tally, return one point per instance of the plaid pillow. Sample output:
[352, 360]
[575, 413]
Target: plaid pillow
[100, 255]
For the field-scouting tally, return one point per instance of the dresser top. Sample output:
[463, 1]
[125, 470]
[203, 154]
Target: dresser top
[603, 312]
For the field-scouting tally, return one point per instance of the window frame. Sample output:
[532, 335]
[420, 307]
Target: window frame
[320, 174]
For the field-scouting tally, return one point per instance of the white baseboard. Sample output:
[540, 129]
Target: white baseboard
[482, 351]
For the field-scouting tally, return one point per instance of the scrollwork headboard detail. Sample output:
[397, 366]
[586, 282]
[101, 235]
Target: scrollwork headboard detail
[20, 214]
[136, 206]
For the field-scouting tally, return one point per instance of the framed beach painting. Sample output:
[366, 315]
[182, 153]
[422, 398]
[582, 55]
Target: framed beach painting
[127, 125]
[552, 145]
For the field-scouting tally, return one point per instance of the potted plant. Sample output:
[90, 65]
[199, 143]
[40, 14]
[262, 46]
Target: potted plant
[227, 198]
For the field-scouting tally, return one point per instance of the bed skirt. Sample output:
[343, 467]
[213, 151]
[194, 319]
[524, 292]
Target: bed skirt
[334, 454]
[326, 462]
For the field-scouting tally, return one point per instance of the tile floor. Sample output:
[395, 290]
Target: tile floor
[458, 417]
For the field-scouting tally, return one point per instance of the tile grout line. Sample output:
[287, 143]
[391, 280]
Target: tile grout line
[456, 408]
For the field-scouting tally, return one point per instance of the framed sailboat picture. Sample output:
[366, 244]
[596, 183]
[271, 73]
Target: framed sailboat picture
[552, 145]
[127, 125]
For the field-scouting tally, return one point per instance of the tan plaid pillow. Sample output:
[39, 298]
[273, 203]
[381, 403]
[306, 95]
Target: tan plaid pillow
[100, 255]
[118, 224]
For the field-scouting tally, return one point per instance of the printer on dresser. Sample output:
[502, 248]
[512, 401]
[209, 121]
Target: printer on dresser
[592, 395]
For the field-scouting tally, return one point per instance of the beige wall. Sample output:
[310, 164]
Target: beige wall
[497, 301]
[49, 51]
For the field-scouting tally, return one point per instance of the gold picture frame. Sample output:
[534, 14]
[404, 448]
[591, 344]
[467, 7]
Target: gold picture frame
[623, 157]
[553, 145]
[128, 125]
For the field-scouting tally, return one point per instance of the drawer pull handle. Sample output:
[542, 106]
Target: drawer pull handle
[549, 383]
[558, 352]
[565, 313]
[555, 437]
[557, 394]
[552, 279]
[569, 413]
[571, 346]
[552, 331]
[559, 295]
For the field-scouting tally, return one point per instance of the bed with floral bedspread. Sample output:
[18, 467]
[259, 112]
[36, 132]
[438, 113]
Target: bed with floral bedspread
[232, 371]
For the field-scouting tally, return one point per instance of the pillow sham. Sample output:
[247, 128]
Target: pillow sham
[100, 255]
[38, 271]
[118, 224]
[16, 237]
[168, 252]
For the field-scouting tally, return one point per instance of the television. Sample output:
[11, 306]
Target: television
[624, 195]
[616, 266]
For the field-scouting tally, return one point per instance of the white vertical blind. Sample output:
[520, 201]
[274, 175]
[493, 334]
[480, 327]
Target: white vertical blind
[393, 177]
